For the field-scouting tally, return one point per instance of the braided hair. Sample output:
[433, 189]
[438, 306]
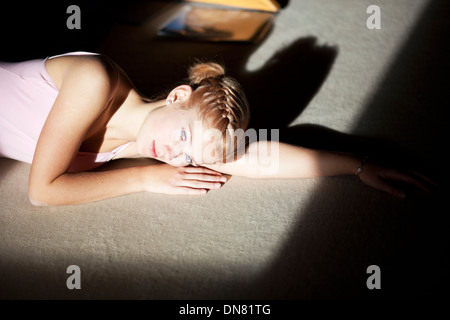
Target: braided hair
[219, 99]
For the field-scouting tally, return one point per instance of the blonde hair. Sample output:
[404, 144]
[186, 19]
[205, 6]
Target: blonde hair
[219, 99]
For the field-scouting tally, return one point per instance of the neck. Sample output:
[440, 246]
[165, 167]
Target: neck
[128, 119]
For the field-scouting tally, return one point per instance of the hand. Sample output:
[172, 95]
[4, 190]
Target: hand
[164, 178]
[393, 181]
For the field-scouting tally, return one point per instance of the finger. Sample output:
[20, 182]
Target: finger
[200, 184]
[200, 170]
[404, 177]
[432, 182]
[386, 187]
[204, 177]
[189, 191]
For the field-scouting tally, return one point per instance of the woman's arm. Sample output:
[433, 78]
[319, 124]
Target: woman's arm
[85, 90]
[266, 159]
[83, 187]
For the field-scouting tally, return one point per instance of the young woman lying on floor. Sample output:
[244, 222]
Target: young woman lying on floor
[68, 114]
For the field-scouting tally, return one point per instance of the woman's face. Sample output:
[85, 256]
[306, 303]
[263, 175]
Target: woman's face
[177, 137]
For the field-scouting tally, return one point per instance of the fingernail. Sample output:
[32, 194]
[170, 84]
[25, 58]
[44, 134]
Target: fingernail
[217, 185]
[223, 179]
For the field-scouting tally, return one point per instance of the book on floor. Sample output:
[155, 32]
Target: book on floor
[213, 21]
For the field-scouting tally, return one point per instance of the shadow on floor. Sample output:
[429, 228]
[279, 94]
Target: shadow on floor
[408, 240]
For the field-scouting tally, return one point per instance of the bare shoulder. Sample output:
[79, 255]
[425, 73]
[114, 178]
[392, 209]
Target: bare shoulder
[92, 69]
[86, 87]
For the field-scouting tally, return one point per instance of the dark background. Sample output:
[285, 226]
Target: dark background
[38, 29]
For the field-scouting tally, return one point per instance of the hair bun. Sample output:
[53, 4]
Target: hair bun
[202, 71]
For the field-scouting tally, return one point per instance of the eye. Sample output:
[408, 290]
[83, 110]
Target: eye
[188, 159]
[183, 135]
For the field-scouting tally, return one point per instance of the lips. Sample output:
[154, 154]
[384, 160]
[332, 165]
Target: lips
[153, 150]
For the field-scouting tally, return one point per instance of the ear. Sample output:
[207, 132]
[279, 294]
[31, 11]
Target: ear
[179, 94]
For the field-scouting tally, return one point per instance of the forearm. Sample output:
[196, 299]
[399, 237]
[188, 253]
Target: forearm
[83, 187]
[279, 160]
[296, 162]
[319, 163]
